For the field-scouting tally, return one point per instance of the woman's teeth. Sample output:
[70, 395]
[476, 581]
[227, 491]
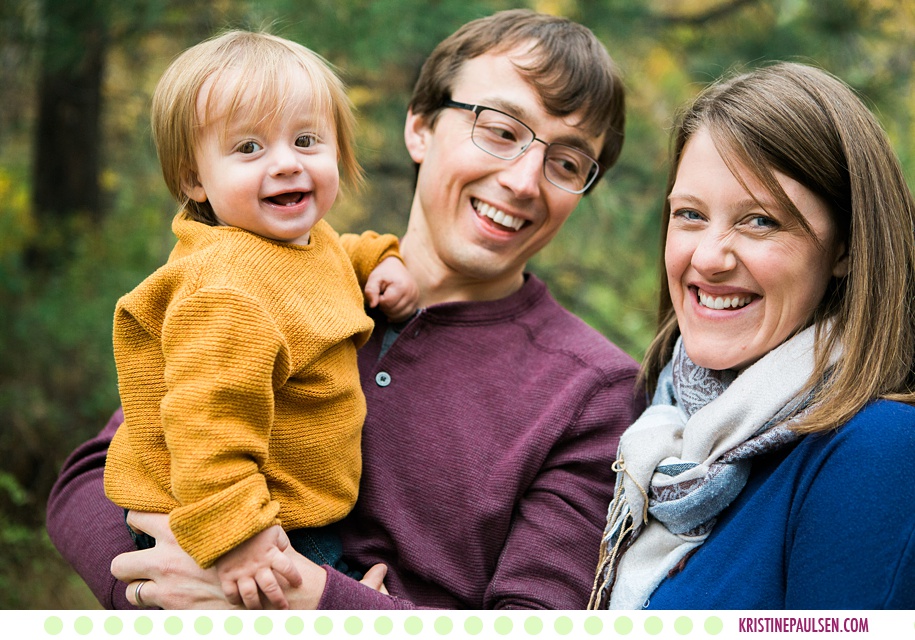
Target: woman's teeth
[499, 217]
[726, 302]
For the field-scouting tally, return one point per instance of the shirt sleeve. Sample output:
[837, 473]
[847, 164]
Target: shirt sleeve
[345, 593]
[87, 528]
[549, 557]
[367, 250]
[852, 532]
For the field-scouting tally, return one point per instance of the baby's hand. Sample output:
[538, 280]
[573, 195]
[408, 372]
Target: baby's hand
[251, 569]
[391, 288]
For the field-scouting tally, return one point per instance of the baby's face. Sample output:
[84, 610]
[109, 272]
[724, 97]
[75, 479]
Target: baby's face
[273, 174]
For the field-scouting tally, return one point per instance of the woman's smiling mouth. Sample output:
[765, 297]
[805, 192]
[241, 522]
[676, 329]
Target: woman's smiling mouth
[723, 302]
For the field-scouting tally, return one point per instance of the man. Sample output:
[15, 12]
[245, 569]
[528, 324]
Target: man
[493, 415]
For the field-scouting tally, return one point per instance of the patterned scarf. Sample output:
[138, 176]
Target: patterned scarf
[692, 450]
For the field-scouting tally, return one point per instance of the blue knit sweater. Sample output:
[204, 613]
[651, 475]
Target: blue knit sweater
[826, 524]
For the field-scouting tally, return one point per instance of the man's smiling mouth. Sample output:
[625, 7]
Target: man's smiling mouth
[497, 216]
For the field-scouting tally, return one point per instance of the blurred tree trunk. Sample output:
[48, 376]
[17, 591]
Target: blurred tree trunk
[67, 143]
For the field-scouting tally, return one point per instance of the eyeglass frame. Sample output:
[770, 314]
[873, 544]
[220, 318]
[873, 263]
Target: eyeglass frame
[477, 109]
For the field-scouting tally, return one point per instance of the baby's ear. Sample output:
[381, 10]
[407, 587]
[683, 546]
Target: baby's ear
[190, 185]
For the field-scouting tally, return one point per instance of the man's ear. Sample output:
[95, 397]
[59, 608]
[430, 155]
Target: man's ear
[416, 136]
[190, 185]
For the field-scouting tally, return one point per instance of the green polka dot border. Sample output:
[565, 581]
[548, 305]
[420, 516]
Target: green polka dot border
[377, 625]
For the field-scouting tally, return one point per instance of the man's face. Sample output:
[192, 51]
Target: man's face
[476, 217]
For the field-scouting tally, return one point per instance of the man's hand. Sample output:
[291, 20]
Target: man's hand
[173, 579]
[391, 288]
[374, 578]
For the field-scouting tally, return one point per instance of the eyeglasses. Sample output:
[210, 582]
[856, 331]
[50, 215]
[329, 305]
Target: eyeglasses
[506, 137]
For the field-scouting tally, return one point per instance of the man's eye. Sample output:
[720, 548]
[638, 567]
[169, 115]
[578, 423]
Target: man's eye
[306, 141]
[566, 165]
[503, 134]
[249, 147]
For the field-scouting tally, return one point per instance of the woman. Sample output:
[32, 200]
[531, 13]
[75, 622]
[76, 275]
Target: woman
[772, 469]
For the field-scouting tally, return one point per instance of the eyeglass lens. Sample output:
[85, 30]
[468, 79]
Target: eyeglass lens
[507, 138]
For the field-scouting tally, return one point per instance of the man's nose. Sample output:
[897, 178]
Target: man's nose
[523, 175]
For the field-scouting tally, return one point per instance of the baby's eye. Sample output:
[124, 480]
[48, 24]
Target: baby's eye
[249, 147]
[306, 141]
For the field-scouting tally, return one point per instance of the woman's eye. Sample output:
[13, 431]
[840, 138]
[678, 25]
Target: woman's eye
[306, 141]
[687, 214]
[763, 222]
[249, 147]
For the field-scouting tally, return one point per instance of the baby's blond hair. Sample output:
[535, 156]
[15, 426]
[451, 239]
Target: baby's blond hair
[241, 66]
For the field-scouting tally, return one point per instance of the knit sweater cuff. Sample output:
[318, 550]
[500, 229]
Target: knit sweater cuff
[366, 251]
[217, 524]
[392, 250]
[342, 592]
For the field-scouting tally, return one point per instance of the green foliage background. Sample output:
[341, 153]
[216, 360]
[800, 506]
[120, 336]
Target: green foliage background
[57, 378]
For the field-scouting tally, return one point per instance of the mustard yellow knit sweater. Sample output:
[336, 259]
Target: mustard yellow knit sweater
[237, 371]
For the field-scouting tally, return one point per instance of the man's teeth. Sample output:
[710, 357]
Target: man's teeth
[715, 302]
[499, 217]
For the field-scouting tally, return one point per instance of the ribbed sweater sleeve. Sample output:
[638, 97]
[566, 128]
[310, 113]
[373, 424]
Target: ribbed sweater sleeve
[224, 355]
[367, 249]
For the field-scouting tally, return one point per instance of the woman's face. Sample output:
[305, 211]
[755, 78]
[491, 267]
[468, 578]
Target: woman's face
[743, 278]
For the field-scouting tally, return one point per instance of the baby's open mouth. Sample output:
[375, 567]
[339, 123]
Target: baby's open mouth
[287, 199]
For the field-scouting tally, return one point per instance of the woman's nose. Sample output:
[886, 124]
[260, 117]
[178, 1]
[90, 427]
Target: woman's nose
[714, 253]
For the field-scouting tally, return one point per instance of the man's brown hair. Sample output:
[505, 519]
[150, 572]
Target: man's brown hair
[569, 69]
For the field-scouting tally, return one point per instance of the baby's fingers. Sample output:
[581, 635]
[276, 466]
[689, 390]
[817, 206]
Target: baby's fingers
[372, 294]
[247, 589]
[284, 566]
[271, 589]
[398, 309]
[230, 591]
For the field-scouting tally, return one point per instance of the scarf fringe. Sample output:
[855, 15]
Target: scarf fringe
[621, 532]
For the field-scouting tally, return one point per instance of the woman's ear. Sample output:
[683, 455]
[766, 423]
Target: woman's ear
[190, 185]
[416, 136]
[840, 266]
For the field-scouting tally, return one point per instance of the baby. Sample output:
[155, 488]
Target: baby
[237, 359]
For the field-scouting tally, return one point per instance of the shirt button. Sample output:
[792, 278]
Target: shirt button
[383, 378]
